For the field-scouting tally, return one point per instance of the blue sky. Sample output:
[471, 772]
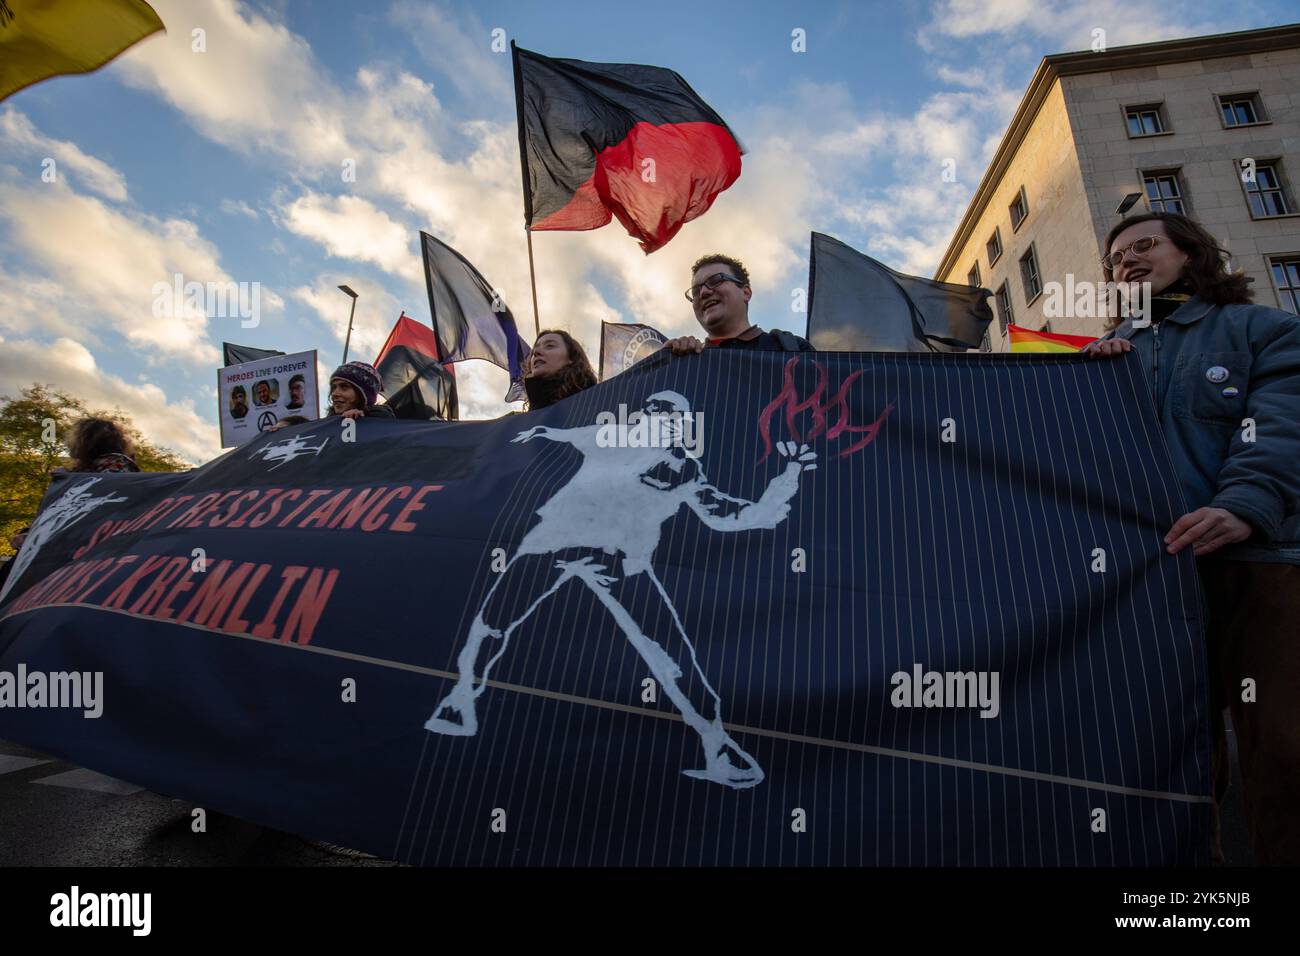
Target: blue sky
[226, 164]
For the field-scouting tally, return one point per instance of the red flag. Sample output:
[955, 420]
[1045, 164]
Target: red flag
[617, 140]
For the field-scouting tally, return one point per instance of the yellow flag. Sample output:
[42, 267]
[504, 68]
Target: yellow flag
[44, 38]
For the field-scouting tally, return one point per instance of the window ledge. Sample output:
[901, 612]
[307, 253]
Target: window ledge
[1246, 125]
[1164, 132]
[1037, 296]
[1285, 215]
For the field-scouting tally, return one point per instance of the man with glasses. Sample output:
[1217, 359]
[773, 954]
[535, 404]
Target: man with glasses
[719, 294]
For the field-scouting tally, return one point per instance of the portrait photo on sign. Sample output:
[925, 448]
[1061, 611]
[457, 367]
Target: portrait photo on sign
[266, 392]
[238, 402]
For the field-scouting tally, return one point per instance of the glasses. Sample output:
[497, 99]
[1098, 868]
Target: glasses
[712, 282]
[1139, 246]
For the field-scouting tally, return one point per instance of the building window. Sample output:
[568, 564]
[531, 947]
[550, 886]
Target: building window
[986, 344]
[1241, 109]
[1148, 120]
[1286, 276]
[1029, 275]
[1266, 190]
[1047, 326]
[1164, 191]
[994, 247]
[973, 277]
[1005, 315]
[1019, 209]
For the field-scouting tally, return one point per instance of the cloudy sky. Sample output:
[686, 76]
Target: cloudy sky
[228, 164]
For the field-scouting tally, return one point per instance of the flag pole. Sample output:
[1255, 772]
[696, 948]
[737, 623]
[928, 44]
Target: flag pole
[523, 170]
[532, 278]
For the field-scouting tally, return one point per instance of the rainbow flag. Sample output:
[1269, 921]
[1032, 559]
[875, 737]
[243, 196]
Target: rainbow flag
[1029, 340]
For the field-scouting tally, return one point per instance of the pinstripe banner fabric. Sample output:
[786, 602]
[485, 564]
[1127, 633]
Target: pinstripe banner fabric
[741, 608]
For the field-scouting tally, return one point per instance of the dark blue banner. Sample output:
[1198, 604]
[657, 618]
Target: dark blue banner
[734, 608]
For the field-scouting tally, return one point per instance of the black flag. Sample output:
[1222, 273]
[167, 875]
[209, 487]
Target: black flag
[418, 386]
[856, 304]
[617, 140]
[239, 354]
[470, 319]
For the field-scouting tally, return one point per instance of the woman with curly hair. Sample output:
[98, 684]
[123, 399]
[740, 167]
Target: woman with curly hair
[100, 444]
[556, 368]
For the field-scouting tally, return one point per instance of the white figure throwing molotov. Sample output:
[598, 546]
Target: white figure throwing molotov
[600, 528]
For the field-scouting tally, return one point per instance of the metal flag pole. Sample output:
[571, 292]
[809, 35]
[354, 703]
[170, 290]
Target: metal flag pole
[523, 169]
[532, 278]
[348, 341]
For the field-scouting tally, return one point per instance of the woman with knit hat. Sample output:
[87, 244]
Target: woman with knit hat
[354, 390]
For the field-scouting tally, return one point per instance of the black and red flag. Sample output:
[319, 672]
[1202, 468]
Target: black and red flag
[602, 140]
[416, 384]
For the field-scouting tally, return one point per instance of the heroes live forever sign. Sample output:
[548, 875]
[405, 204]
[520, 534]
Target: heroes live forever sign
[255, 395]
[897, 609]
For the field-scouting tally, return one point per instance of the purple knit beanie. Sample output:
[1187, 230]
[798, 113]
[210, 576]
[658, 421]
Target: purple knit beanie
[362, 377]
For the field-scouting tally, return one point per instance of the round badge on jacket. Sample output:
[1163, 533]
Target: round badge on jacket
[1216, 374]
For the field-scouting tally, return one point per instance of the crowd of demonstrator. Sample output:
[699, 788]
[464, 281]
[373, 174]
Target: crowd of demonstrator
[1213, 360]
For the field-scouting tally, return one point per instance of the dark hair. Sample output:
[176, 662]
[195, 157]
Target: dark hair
[735, 265]
[577, 373]
[92, 438]
[1206, 269]
[238, 390]
[294, 420]
[297, 378]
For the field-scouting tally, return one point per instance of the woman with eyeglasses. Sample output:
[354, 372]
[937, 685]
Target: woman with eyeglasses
[1225, 379]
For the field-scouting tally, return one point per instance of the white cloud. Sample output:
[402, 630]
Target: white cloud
[457, 43]
[38, 304]
[350, 227]
[237, 207]
[256, 87]
[376, 313]
[1065, 24]
[111, 259]
[19, 135]
[70, 366]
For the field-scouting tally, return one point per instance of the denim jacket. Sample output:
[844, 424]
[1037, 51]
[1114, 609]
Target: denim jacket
[1221, 376]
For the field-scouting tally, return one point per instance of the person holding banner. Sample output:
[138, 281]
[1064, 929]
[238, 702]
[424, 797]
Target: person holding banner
[720, 294]
[354, 390]
[1225, 378]
[556, 368]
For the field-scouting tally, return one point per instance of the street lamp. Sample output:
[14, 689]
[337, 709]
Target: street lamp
[348, 340]
[1127, 203]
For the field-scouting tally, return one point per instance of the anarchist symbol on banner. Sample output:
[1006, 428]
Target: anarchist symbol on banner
[615, 506]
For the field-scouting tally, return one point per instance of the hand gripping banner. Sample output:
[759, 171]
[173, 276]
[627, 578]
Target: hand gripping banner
[734, 608]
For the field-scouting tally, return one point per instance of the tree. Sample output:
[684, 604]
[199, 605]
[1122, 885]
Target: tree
[33, 427]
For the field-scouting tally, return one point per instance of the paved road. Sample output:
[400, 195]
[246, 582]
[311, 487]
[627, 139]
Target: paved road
[55, 814]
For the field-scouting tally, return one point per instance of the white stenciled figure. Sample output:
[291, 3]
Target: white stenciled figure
[616, 504]
[74, 505]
